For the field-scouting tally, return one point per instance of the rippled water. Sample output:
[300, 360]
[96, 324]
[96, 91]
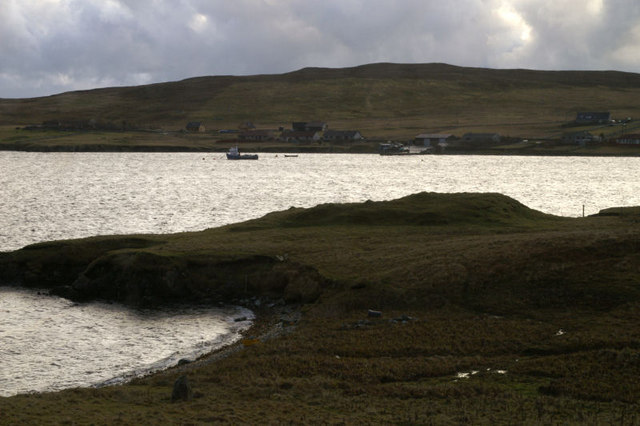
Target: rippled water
[46, 196]
[49, 343]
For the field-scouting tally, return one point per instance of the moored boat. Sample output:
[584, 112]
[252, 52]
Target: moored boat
[234, 154]
[393, 148]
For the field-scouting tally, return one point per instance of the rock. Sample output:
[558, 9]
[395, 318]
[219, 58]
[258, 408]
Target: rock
[374, 314]
[403, 319]
[181, 390]
[240, 319]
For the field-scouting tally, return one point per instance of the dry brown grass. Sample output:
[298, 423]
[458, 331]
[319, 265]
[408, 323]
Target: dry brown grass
[381, 100]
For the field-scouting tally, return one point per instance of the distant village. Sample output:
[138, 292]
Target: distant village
[318, 131]
[300, 132]
[309, 132]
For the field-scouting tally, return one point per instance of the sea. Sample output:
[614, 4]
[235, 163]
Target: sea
[50, 343]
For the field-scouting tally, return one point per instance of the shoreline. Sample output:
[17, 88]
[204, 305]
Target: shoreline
[257, 322]
[327, 150]
[268, 323]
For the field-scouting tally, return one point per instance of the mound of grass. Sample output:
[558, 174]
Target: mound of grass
[423, 209]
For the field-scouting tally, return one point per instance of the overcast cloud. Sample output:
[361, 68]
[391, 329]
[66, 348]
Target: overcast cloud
[52, 46]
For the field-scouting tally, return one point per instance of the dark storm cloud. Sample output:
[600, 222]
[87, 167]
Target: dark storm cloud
[50, 46]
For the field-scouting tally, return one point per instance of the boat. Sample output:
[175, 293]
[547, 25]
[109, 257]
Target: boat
[290, 155]
[393, 148]
[234, 154]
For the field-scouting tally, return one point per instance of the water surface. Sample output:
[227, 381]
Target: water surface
[47, 196]
[50, 343]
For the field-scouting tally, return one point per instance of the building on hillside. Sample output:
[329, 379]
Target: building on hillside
[317, 126]
[630, 139]
[481, 138]
[308, 126]
[580, 138]
[432, 139]
[593, 117]
[342, 135]
[195, 126]
[256, 135]
[299, 136]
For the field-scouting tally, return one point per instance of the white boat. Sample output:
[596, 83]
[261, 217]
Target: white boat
[234, 154]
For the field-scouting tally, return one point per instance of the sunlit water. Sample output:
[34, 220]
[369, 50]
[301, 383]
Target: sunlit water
[45, 196]
[49, 343]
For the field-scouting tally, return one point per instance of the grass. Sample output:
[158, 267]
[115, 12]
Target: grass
[544, 309]
[383, 101]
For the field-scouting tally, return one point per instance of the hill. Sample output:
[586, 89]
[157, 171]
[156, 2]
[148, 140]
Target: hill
[381, 100]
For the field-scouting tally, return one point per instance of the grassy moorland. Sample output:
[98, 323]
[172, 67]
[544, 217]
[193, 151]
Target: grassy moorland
[383, 101]
[492, 313]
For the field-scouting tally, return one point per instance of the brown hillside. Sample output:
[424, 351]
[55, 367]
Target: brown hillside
[379, 99]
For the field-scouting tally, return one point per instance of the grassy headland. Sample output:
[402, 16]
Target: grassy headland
[540, 311]
[382, 101]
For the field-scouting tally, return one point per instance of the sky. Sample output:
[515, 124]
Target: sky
[54, 46]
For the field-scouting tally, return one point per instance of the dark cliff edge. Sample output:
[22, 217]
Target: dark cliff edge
[122, 270]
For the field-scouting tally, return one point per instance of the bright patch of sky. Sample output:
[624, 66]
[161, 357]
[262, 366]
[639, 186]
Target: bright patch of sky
[198, 22]
[511, 16]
